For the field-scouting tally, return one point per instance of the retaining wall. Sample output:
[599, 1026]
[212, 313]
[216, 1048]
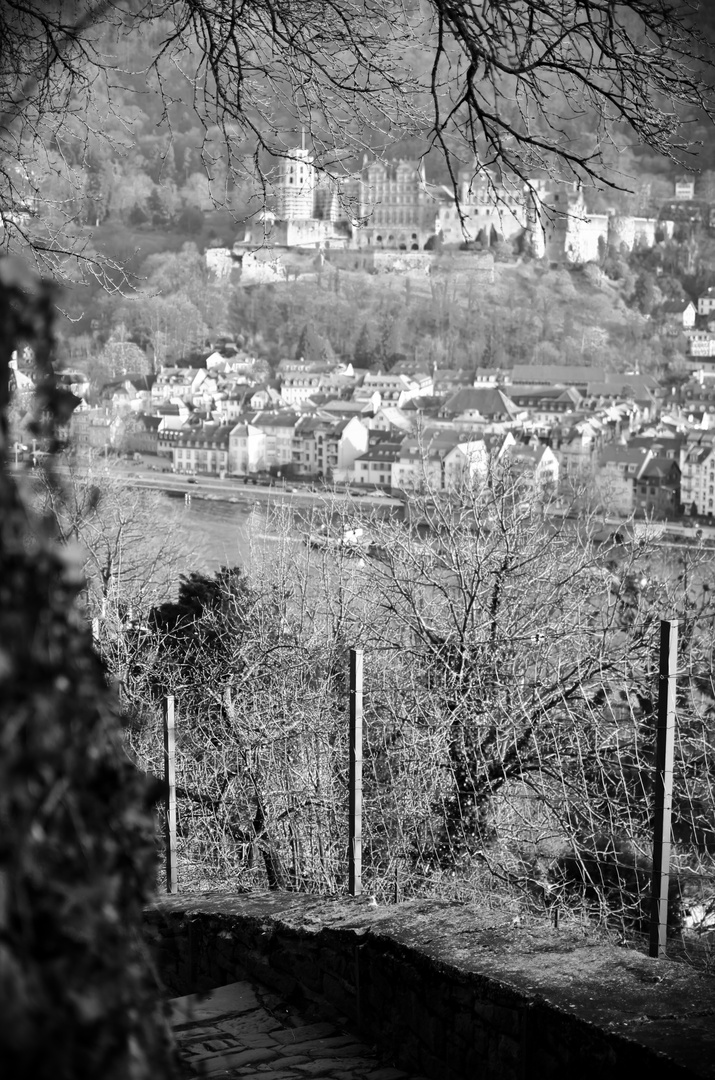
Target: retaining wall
[445, 992]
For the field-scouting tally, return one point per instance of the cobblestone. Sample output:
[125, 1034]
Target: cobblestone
[243, 1031]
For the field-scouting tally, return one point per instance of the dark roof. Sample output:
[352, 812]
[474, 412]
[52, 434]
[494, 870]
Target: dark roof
[545, 395]
[280, 418]
[552, 374]
[348, 408]
[486, 400]
[141, 382]
[308, 424]
[151, 423]
[436, 444]
[625, 387]
[654, 442]
[675, 307]
[212, 433]
[660, 468]
[381, 453]
[623, 455]
[424, 403]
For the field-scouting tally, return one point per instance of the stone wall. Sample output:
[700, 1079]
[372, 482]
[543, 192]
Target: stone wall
[219, 261]
[261, 267]
[401, 262]
[446, 993]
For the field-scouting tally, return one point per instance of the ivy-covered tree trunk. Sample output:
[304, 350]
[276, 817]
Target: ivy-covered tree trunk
[78, 997]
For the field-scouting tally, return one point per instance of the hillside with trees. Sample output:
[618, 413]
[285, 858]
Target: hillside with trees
[446, 319]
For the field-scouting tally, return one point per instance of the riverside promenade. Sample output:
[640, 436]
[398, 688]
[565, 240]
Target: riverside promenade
[245, 1030]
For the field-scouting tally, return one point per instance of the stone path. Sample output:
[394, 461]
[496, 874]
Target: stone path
[243, 1030]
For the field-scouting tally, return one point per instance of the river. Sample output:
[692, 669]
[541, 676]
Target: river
[223, 533]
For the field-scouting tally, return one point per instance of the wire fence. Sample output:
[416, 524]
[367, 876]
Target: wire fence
[510, 713]
[570, 834]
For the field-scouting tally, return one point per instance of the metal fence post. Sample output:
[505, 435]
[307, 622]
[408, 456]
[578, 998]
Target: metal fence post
[355, 777]
[664, 752]
[170, 795]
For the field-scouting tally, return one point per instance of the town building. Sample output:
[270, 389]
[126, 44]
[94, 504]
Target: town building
[447, 380]
[202, 449]
[94, 432]
[684, 188]
[195, 386]
[706, 302]
[481, 405]
[278, 428]
[550, 375]
[324, 448]
[546, 405]
[577, 447]
[421, 464]
[697, 473]
[392, 388]
[143, 435]
[374, 466]
[392, 420]
[297, 387]
[173, 421]
[616, 473]
[676, 316]
[246, 449]
[657, 489]
[534, 468]
[465, 461]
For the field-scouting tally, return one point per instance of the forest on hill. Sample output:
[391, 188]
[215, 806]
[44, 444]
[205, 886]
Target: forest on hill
[594, 315]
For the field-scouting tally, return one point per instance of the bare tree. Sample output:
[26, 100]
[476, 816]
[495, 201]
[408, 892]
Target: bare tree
[510, 695]
[260, 772]
[132, 549]
[528, 77]
[513, 690]
[519, 87]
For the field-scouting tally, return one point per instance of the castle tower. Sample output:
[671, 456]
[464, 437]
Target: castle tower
[296, 186]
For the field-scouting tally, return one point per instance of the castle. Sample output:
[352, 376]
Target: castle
[391, 206]
[308, 211]
[564, 231]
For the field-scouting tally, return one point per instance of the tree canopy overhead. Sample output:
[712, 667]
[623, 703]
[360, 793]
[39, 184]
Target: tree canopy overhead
[521, 87]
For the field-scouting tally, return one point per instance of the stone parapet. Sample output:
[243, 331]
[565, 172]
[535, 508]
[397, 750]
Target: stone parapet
[444, 990]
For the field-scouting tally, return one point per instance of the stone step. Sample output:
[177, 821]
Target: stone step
[233, 1032]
